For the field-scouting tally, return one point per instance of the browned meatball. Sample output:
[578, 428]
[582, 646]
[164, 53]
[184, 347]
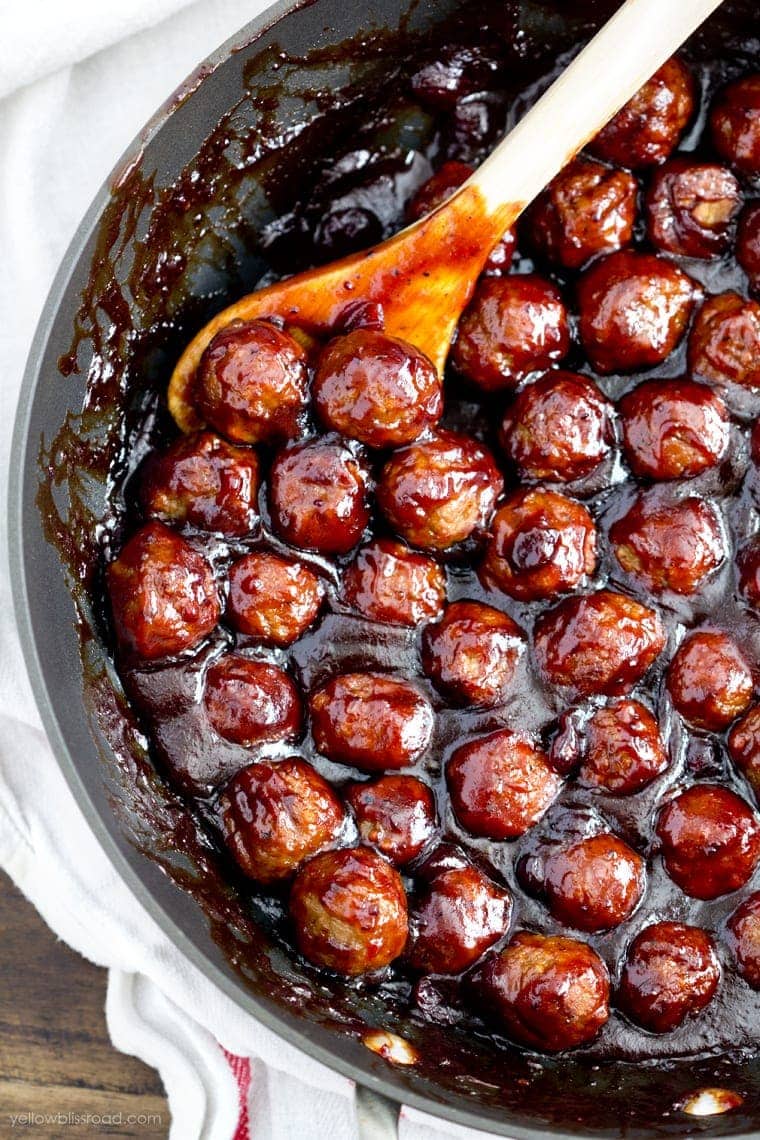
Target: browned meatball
[588, 209]
[457, 917]
[318, 496]
[594, 884]
[690, 208]
[472, 652]
[557, 428]
[514, 325]
[724, 343]
[597, 643]
[647, 129]
[743, 930]
[251, 702]
[272, 598]
[500, 785]
[710, 841]
[438, 189]
[205, 482]
[624, 750]
[549, 993]
[396, 814]
[709, 680]
[252, 383]
[439, 492]
[735, 125]
[349, 911]
[669, 545]
[540, 544]
[387, 582]
[673, 429]
[276, 814]
[633, 310]
[671, 971]
[748, 561]
[376, 388]
[748, 245]
[371, 721]
[163, 595]
[744, 747]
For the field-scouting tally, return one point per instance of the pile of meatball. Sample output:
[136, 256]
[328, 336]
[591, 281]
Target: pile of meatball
[326, 472]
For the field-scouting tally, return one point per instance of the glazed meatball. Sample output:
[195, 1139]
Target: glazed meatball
[252, 383]
[709, 680]
[547, 992]
[163, 594]
[396, 814]
[389, 583]
[204, 482]
[624, 750]
[276, 814]
[318, 496]
[724, 343]
[748, 245]
[690, 208]
[540, 544]
[597, 643]
[587, 210]
[671, 971]
[743, 928]
[472, 652]
[437, 493]
[710, 841]
[272, 598]
[500, 785]
[456, 70]
[349, 911]
[376, 388]
[371, 721]
[633, 310]
[673, 429]
[513, 326]
[438, 189]
[744, 747]
[648, 128]
[749, 571]
[594, 884]
[250, 702]
[557, 428]
[735, 125]
[668, 545]
[456, 918]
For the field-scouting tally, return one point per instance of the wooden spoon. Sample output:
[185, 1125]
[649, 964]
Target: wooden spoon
[424, 275]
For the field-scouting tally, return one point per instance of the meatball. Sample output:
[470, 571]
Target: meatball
[749, 571]
[472, 652]
[396, 814]
[252, 383]
[633, 310]
[349, 911]
[456, 918]
[500, 785]
[557, 428]
[439, 492]
[648, 128]
[438, 189]
[389, 583]
[540, 544]
[624, 750]
[371, 721]
[735, 125]
[163, 595]
[271, 598]
[597, 643]
[709, 680]
[547, 992]
[671, 971]
[587, 210]
[204, 482]
[318, 496]
[690, 208]
[513, 326]
[673, 429]
[743, 929]
[276, 814]
[724, 343]
[710, 841]
[744, 747]
[594, 884]
[250, 702]
[748, 245]
[376, 388]
[668, 545]
[455, 71]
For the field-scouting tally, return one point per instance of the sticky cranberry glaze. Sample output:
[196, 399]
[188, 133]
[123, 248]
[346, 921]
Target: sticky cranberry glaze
[461, 673]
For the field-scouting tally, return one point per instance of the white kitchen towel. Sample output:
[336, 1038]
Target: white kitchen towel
[72, 104]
